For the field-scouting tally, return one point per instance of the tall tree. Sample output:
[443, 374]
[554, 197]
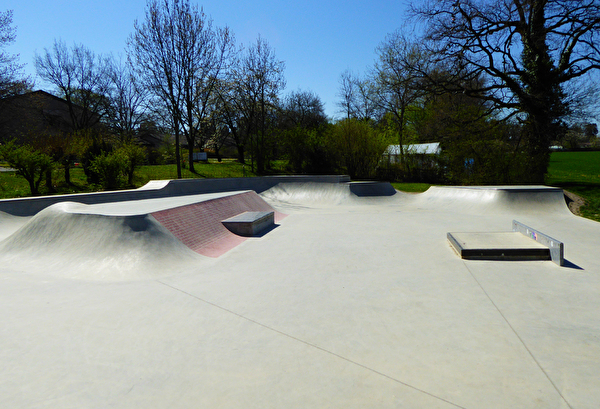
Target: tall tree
[82, 78]
[127, 100]
[397, 84]
[259, 78]
[356, 96]
[181, 56]
[230, 104]
[11, 80]
[154, 49]
[527, 50]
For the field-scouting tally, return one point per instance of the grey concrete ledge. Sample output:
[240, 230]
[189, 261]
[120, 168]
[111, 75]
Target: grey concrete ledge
[250, 224]
[368, 189]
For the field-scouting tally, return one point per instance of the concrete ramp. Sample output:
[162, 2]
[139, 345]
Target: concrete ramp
[127, 240]
[497, 199]
[326, 194]
[61, 241]
[310, 194]
[199, 225]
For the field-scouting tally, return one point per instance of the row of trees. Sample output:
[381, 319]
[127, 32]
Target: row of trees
[495, 81]
[182, 73]
[191, 79]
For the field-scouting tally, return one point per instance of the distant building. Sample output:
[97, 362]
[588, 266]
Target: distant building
[36, 114]
[393, 155]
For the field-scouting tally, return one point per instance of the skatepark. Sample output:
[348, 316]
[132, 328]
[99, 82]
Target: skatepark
[353, 298]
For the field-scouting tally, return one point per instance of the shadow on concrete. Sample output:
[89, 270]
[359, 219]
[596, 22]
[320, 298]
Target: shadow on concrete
[568, 264]
[266, 231]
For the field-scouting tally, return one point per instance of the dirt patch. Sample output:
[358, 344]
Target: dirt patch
[574, 202]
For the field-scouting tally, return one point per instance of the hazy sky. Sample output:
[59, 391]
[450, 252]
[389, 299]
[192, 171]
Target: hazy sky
[318, 40]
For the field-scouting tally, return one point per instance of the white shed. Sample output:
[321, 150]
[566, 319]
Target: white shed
[392, 153]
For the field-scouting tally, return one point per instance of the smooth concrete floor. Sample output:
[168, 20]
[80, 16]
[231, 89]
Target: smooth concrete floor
[357, 304]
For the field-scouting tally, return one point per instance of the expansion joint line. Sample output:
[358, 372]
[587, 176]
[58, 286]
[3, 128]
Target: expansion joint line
[313, 346]
[518, 336]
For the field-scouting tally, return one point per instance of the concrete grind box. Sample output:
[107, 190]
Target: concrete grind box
[250, 224]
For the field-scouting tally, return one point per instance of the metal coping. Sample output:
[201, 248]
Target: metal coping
[557, 248]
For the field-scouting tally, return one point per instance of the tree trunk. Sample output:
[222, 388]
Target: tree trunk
[67, 172]
[241, 156]
[33, 188]
[537, 131]
[542, 99]
[191, 158]
[177, 153]
[49, 181]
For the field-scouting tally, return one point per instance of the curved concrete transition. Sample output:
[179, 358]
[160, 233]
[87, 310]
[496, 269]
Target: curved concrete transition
[354, 300]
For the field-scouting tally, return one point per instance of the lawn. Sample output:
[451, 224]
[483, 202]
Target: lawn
[411, 187]
[578, 172]
[12, 185]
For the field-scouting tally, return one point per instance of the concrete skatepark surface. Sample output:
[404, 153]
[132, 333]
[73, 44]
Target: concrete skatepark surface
[350, 302]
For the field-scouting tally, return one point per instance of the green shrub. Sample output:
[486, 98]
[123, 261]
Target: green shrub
[357, 147]
[134, 156]
[28, 163]
[111, 169]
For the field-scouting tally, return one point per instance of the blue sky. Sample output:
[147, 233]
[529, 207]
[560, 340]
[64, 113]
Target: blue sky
[318, 40]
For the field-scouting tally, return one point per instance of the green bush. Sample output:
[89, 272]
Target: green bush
[306, 150]
[111, 169]
[28, 163]
[134, 156]
[357, 147]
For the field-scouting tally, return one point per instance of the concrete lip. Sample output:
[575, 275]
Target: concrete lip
[352, 302]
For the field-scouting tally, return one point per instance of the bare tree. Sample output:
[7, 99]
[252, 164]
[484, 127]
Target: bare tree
[81, 77]
[526, 50]
[11, 80]
[216, 52]
[127, 100]
[230, 103]
[180, 56]
[397, 84]
[154, 49]
[356, 95]
[258, 79]
[348, 94]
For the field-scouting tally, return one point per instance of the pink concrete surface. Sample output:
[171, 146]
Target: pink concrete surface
[199, 226]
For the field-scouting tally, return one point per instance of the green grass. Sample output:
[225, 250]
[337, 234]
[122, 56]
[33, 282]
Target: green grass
[12, 185]
[208, 170]
[578, 172]
[411, 187]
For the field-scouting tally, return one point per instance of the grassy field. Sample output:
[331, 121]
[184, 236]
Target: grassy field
[578, 172]
[411, 187]
[12, 185]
